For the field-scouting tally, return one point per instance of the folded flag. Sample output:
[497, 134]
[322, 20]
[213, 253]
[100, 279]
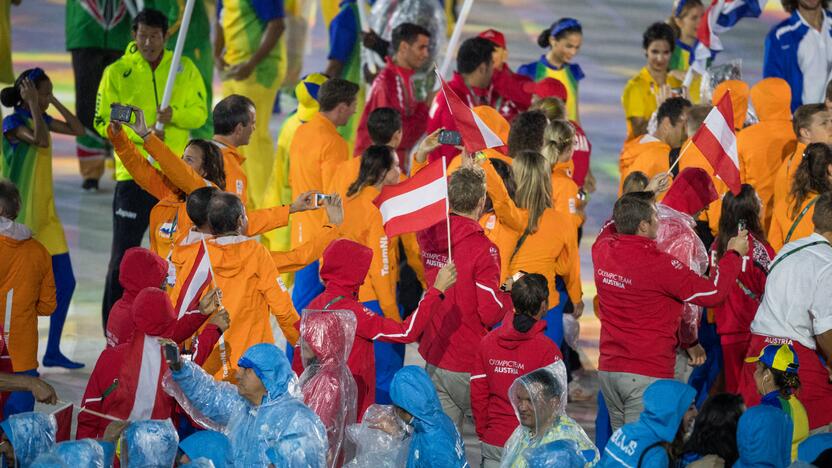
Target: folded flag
[417, 203]
[718, 143]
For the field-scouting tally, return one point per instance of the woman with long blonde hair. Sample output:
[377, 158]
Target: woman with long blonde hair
[558, 147]
[549, 244]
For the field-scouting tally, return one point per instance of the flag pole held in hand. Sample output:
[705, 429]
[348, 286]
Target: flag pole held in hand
[221, 341]
[177, 57]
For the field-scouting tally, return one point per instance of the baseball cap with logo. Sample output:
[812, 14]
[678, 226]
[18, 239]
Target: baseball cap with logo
[307, 94]
[778, 357]
[494, 36]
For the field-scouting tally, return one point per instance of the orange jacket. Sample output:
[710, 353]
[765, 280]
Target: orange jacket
[785, 174]
[784, 220]
[251, 289]
[550, 251]
[565, 192]
[692, 157]
[316, 151]
[503, 237]
[306, 253]
[656, 158]
[739, 99]
[27, 290]
[236, 180]
[345, 174]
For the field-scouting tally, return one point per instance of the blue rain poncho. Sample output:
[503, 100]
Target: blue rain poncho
[200, 462]
[764, 438]
[30, 434]
[85, 452]
[377, 448]
[211, 445]
[281, 430]
[149, 444]
[435, 441]
[562, 453]
[811, 448]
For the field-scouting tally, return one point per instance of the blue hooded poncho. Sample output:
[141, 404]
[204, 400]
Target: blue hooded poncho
[150, 443]
[811, 448]
[208, 444]
[764, 438]
[435, 441]
[30, 434]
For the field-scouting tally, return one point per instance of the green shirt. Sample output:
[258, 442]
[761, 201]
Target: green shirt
[102, 24]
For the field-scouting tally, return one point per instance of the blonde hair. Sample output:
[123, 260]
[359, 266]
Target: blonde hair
[533, 178]
[558, 137]
[552, 107]
[686, 7]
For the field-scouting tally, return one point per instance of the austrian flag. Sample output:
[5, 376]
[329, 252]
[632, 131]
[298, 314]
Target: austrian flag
[195, 284]
[476, 136]
[718, 143]
[417, 203]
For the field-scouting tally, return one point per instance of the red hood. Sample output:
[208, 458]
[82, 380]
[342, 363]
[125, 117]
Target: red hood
[691, 192]
[328, 334]
[433, 241]
[345, 265]
[153, 313]
[510, 338]
[141, 268]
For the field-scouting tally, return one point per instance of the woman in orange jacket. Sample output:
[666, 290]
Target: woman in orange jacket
[792, 218]
[558, 146]
[549, 243]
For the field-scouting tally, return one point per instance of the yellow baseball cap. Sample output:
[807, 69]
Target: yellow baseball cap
[307, 94]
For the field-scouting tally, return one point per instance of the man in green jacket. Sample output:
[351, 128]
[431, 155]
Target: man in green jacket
[138, 78]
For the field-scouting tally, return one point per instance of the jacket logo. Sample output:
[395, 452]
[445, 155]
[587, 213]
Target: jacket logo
[676, 264]
[128, 72]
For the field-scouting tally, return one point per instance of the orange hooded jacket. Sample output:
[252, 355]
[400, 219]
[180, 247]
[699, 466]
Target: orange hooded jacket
[785, 223]
[565, 192]
[236, 180]
[785, 174]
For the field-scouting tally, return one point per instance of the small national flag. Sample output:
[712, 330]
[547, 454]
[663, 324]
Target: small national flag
[63, 418]
[417, 203]
[719, 17]
[718, 143]
[476, 136]
[195, 284]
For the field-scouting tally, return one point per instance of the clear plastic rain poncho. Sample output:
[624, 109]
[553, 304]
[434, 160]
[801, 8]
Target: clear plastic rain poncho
[210, 445]
[200, 462]
[85, 452]
[387, 14]
[30, 434]
[281, 430]
[539, 400]
[375, 448]
[327, 384]
[560, 453]
[149, 443]
[715, 75]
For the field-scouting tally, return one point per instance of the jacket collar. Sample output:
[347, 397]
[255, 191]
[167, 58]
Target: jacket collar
[13, 230]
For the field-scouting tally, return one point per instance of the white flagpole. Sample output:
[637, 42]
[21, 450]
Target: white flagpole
[131, 8]
[221, 341]
[679, 158]
[365, 28]
[177, 57]
[447, 206]
[450, 51]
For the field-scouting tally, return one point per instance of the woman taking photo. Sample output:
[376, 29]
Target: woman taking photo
[563, 39]
[685, 21]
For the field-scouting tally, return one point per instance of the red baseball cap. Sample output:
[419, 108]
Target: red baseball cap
[494, 36]
[547, 87]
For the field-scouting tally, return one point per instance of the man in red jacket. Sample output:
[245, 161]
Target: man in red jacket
[475, 303]
[393, 88]
[506, 81]
[640, 293]
[518, 347]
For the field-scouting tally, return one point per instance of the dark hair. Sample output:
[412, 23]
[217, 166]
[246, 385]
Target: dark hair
[10, 97]
[376, 160]
[680, 9]
[224, 212]
[526, 132]
[212, 162]
[407, 32]
[550, 385]
[803, 116]
[787, 382]
[812, 175]
[636, 181]
[715, 428]
[824, 459]
[562, 28]
[822, 218]
[829, 91]
[152, 18]
[9, 199]
[336, 91]
[382, 124]
[631, 209]
[672, 108]
[232, 111]
[466, 188]
[527, 294]
[658, 32]
[734, 208]
[473, 53]
[791, 5]
[503, 169]
[196, 205]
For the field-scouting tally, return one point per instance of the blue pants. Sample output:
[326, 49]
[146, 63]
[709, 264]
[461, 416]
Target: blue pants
[389, 359]
[703, 377]
[64, 287]
[603, 426]
[554, 320]
[308, 286]
[20, 402]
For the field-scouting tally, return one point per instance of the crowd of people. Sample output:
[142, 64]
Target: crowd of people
[715, 304]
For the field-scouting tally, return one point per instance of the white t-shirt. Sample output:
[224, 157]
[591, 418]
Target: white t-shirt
[814, 56]
[797, 303]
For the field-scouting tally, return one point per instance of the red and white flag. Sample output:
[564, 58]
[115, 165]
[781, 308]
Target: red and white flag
[63, 419]
[195, 284]
[476, 136]
[717, 141]
[417, 203]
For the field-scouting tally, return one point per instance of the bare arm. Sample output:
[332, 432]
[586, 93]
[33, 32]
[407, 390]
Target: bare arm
[274, 29]
[42, 391]
[639, 125]
[40, 135]
[334, 67]
[71, 125]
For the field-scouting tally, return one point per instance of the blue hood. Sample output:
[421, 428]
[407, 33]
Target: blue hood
[271, 366]
[84, 452]
[665, 403]
[561, 453]
[49, 460]
[30, 434]
[151, 443]
[811, 448]
[764, 438]
[413, 391]
[199, 463]
[208, 444]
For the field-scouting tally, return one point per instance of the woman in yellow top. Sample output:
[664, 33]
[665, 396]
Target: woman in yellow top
[792, 218]
[363, 224]
[549, 244]
[653, 84]
[684, 21]
[558, 145]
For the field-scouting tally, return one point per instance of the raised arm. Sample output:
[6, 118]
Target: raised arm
[143, 173]
[216, 400]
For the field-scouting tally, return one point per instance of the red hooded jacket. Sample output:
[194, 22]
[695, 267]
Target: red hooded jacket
[504, 355]
[140, 268]
[473, 305]
[640, 293]
[345, 265]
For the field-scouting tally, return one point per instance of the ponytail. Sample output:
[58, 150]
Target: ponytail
[11, 97]
[543, 38]
[787, 382]
[375, 162]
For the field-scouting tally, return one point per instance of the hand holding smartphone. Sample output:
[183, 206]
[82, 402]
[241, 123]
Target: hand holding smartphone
[450, 137]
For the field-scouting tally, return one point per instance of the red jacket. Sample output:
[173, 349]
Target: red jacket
[734, 316]
[101, 384]
[140, 268]
[509, 85]
[580, 157]
[504, 355]
[473, 305]
[640, 292]
[345, 265]
[393, 88]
